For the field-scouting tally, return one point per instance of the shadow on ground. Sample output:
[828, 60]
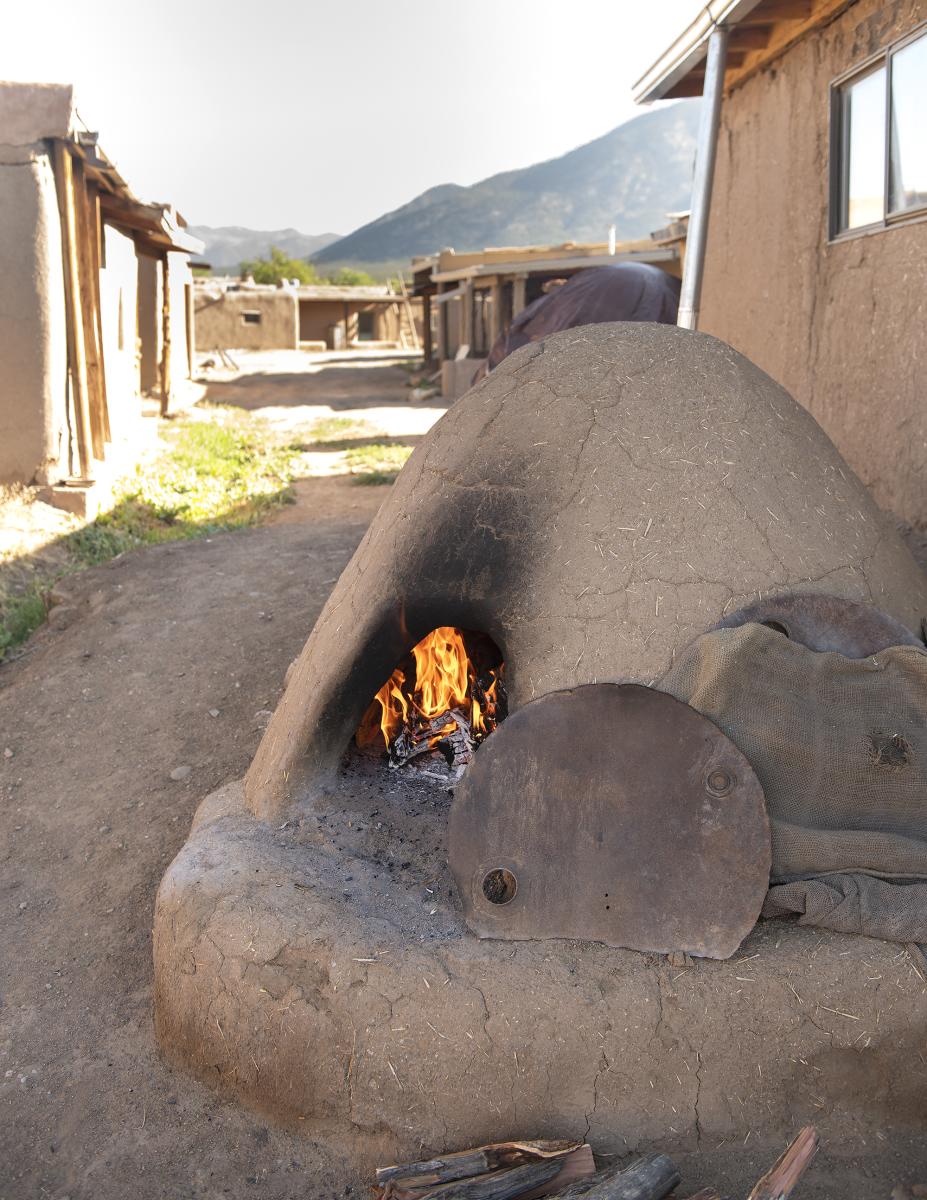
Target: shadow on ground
[337, 388]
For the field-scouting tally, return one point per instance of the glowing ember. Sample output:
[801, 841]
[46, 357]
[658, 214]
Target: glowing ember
[440, 701]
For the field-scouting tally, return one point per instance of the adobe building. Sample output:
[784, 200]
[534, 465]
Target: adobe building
[95, 301]
[815, 260]
[236, 315]
[470, 299]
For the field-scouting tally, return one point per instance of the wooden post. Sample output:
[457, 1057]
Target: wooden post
[89, 282]
[165, 337]
[497, 314]
[428, 349]
[190, 326]
[77, 361]
[96, 222]
[518, 294]
[442, 329]
[466, 314]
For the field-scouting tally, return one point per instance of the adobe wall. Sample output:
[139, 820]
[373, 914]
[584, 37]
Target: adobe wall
[33, 346]
[843, 326]
[317, 316]
[220, 324]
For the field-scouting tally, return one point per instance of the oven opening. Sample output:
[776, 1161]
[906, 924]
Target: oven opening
[440, 702]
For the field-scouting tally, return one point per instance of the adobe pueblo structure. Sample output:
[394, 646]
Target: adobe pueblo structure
[602, 503]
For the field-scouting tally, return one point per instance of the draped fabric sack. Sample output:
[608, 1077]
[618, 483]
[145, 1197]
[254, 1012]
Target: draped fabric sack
[626, 291]
[840, 747]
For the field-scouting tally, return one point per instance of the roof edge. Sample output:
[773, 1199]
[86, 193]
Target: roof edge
[688, 50]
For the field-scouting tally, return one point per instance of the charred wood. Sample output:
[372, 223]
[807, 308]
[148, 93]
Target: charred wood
[465, 1163]
[649, 1178]
[498, 1185]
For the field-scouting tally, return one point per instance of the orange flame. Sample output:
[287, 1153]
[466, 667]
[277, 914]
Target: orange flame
[444, 679]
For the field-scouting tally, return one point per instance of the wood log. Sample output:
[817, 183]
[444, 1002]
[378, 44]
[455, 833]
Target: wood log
[781, 1179]
[578, 1165]
[464, 1163]
[437, 1170]
[649, 1178]
[498, 1185]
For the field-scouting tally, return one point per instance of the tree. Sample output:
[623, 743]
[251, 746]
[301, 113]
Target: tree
[278, 268]
[351, 277]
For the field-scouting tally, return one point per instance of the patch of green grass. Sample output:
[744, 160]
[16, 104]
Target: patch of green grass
[20, 614]
[217, 474]
[223, 473]
[336, 429]
[376, 462]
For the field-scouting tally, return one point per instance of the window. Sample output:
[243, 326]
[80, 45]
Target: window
[878, 149]
[250, 316]
[908, 154]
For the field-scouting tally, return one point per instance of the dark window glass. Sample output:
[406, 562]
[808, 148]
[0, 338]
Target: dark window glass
[908, 149]
[251, 316]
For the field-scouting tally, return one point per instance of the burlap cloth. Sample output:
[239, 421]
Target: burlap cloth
[840, 747]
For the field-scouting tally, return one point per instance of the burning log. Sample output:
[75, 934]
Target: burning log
[441, 698]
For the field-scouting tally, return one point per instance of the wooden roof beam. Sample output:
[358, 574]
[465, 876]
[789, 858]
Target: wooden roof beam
[750, 37]
[780, 10]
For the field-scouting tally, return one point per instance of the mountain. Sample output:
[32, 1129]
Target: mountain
[228, 245]
[631, 177]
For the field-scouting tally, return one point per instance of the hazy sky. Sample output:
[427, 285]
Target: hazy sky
[323, 115]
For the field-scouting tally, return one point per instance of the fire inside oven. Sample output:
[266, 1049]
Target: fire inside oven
[443, 699]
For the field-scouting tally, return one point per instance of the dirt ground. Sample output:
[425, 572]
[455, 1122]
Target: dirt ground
[93, 720]
[175, 660]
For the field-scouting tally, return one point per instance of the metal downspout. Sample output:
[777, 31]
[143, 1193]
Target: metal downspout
[701, 185]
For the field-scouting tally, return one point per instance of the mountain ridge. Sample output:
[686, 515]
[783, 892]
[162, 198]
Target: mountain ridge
[226, 246]
[630, 177]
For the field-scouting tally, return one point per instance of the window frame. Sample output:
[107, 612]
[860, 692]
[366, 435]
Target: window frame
[838, 144]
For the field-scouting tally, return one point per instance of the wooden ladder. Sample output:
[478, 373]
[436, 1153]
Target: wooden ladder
[408, 334]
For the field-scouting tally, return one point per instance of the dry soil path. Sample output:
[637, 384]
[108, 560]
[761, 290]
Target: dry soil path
[175, 659]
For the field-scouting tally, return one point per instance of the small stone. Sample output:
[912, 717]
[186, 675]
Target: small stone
[7, 753]
[180, 773]
[214, 712]
[23, 906]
